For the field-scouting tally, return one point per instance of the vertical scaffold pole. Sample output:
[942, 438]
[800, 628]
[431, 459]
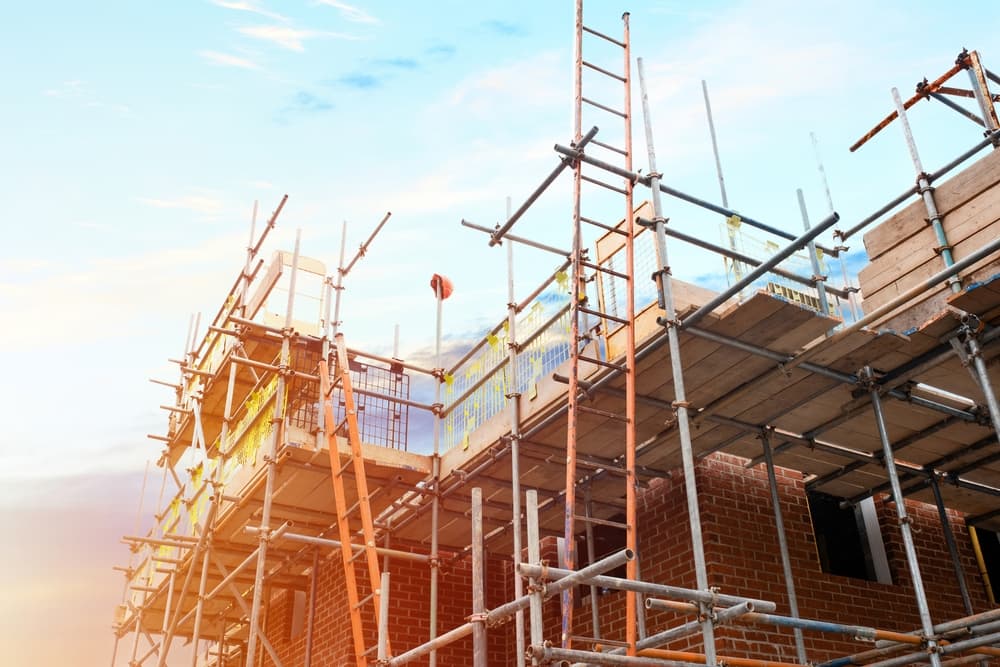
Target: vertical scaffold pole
[949, 539]
[478, 593]
[680, 397]
[514, 408]
[904, 521]
[436, 473]
[824, 306]
[979, 364]
[779, 524]
[264, 535]
[730, 228]
[851, 306]
[981, 91]
[535, 558]
[927, 193]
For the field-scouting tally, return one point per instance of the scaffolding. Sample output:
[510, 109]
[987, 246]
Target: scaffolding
[284, 444]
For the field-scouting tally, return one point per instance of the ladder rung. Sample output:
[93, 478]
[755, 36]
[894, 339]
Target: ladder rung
[602, 71]
[371, 650]
[333, 385]
[365, 600]
[342, 469]
[604, 269]
[603, 107]
[602, 522]
[597, 313]
[613, 188]
[602, 413]
[597, 223]
[601, 362]
[358, 554]
[609, 147]
[603, 36]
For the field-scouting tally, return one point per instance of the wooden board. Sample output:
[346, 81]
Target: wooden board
[948, 196]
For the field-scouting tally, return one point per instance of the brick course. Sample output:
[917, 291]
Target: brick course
[742, 556]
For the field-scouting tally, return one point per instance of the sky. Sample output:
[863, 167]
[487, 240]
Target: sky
[139, 134]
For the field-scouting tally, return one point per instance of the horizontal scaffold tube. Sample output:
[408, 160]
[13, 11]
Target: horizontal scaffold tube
[647, 180]
[699, 659]
[498, 235]
[857, 631]
[508, 609]
[335, 544]
[617, 583]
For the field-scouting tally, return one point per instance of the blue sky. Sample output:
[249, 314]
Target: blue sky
[138, 134]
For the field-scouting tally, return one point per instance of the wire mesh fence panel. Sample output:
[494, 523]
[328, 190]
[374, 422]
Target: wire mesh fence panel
[477, 389]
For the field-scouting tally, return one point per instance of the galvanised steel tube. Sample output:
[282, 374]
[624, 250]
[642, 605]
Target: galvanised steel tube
[720, 617]
[271, 462]
[949, 539]
[535, 556]
[748, 279]
[927, 193]
[779, 524]
[508, 609]
[311, 617]
[547, 655]
[514, 410]
[436, 479]
[238, 597]
[904, 524]
[976, 353]
[699, 658]
[335, 544]
[383, 618]
[824, 306]
[649, 588]
[199, 545]
[740, 257]
[579, 143]
[896, 302]
[479, 648]
[666, 189]
[677, 368]
[200, 606]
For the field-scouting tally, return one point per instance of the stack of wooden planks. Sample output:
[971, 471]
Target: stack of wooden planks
[904, 251]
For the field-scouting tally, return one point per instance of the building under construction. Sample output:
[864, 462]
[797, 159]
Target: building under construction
[624, 470]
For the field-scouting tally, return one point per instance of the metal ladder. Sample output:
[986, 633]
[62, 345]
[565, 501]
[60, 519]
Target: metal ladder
[581, 309]
[362, 507]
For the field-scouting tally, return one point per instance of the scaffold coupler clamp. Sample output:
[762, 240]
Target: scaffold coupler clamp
[924, 177]
[972, 326]
[963, 60]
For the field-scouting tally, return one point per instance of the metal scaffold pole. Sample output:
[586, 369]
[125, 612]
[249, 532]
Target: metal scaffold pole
[779, 524]
[264, 534]
[680, 397]
[904, 521]
[435, 563]
[514, 410]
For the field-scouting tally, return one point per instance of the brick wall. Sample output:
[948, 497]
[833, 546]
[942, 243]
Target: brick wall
[743, 559]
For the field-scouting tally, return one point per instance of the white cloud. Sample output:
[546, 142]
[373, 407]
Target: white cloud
[349, 12]
[537, 81]
[72, 88]
[78, 91]
[228, 60]
[197, 203]
[247, 6]
[290, 38]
